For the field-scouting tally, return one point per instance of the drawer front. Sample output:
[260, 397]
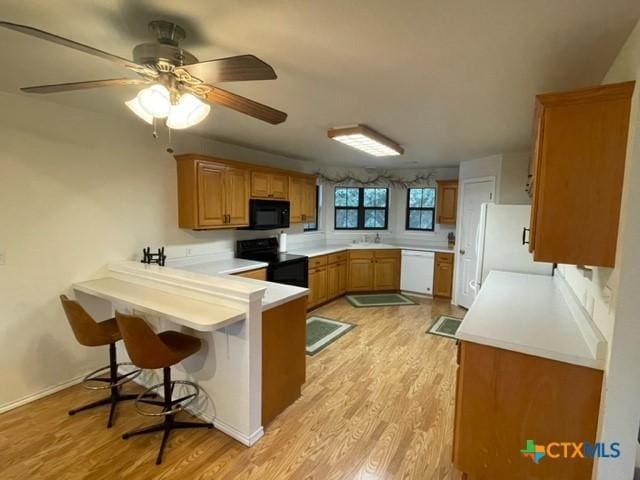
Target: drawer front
[337, 257]
[444, 257]
[315, 262]
[388, 253]
[357, 254]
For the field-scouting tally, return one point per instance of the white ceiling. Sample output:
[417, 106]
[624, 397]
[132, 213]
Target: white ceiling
[449, 80]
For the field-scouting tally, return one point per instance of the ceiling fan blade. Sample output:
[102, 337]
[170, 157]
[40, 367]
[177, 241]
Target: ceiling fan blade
[246, 106]
[67, 87]
[231, 69]
[50, 37]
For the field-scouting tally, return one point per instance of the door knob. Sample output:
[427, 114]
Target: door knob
[462, 252]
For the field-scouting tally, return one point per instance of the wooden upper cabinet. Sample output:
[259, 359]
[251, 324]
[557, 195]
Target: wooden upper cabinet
[269, 185]
[302, 198]
[577, 174]
[215, 192]
[210, 194]
[237, 195]
[447, 205]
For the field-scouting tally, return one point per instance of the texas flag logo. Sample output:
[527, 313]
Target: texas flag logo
[533, 451]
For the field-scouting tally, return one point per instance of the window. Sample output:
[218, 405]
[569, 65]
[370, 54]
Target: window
[313, 226]
[361, 208]
[421, 203]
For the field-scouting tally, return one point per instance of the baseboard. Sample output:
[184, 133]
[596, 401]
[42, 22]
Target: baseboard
[41, 394]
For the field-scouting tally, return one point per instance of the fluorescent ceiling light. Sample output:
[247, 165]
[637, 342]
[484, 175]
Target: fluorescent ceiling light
[367, 140]
[187, 112]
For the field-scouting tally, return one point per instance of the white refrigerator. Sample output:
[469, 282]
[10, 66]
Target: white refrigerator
[500, 242]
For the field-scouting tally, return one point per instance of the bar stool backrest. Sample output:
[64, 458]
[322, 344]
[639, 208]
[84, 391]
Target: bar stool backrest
[144, 346]
[86, 330]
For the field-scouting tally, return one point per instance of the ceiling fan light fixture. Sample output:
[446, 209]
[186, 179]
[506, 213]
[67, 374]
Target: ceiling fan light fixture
[135, 106]
[189, 111]
[155, 100]
[366, 140]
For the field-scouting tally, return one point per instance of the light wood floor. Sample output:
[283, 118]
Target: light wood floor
[378, 404]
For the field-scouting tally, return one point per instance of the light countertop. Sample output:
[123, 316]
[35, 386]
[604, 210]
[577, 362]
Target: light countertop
[532, 314]
[196, 314]
[276, 293]
[316, 250]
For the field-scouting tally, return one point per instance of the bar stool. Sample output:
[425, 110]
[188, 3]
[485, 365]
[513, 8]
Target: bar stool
[149, 350]
[90, 333]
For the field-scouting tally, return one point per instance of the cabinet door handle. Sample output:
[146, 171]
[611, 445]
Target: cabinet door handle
[524, 235]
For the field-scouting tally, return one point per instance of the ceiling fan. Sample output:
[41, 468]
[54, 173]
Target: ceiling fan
[179, 87]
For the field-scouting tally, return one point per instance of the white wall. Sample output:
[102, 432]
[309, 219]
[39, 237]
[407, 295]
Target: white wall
[513, 179]
[620, 413]
[78, 190]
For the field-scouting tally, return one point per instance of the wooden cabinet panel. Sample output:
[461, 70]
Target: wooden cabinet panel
[269, 185]
[302, 197]
[278, 185]
[337, 257]
[319, 261]
[443, 275]
[578, 171]
[386, 274]
[237, 197]
[259, 274]
[283, 357]
[317, 286]
[342, 277]
[447, 202]
[260, 184]
[296, 187]
[211, 195]
[309, 200]
[361, 269]
[333, 281]
[504, 398]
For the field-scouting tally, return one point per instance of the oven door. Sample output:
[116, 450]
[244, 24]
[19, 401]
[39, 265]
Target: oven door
[294, 272]
[268, 214]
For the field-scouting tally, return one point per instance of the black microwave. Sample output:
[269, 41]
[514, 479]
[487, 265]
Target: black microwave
[268, 214]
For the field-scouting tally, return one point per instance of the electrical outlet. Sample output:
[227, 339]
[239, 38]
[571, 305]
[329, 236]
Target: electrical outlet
[188, 252]
[3, 259]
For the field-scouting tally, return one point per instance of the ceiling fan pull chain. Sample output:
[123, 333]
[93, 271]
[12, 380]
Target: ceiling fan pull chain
[155, 130]
[170, 146]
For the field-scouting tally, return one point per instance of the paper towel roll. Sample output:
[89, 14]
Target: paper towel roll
[282, 242]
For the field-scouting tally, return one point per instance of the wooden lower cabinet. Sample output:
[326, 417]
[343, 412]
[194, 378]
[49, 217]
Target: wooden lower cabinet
[361, 270]
[317, 286]
[504, 398]
[443, 275]
[386, 271]
[336, 280]
[283, 357]
[259, 274]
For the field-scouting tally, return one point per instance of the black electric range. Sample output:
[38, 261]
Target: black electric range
[283, 267]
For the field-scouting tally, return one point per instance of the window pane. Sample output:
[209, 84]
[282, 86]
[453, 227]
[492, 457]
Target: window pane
[375, 197]
[374, 218]
[415, 197]
[346, 218]
[426, 220]
[352, 197]
[341, 197]
[414, 219]
[429, 197]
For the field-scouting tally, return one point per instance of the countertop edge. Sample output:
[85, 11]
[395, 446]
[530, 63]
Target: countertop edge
[536, 352]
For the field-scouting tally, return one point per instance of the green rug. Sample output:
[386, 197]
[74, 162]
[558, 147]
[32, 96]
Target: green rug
[321, 332]
[379, 300]
[445, 326]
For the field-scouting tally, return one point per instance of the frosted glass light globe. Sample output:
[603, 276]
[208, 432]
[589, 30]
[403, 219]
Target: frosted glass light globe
[155, 100]
[189, 111]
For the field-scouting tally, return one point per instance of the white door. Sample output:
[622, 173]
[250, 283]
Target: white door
[474, 193]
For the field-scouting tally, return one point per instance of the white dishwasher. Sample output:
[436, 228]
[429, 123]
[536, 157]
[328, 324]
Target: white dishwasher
[417, 272]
